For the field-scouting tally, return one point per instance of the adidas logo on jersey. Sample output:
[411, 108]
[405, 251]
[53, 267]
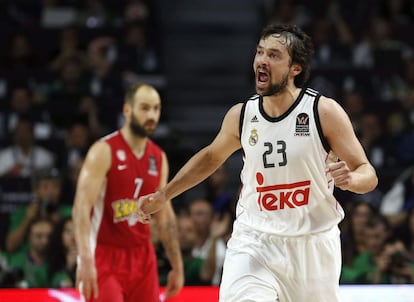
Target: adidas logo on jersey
[254, 119]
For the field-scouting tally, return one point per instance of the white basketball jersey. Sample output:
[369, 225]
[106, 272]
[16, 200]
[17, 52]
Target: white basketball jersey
[285, 189]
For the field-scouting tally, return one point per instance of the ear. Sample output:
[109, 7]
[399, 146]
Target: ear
[126, 109]
[295, 69]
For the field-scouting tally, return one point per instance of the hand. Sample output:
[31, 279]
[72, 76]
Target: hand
[151, 203]
[341, 174]
[86, 278]
[383, 262]
[142, 217]
[406, 270]
[220, 226]
[175, 281]
[32, 210]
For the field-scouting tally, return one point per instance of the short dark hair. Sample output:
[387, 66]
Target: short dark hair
[299, 45]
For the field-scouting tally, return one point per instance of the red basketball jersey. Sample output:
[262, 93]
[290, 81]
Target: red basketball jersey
[113, 219]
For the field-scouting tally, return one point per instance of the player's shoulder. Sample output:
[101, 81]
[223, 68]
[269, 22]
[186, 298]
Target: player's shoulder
[328, 106]
[98, 156]
[113, 136]
[99, 147]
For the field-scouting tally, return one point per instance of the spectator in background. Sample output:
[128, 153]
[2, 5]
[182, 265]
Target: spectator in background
[288, 11]
[333, 39]
[32, 260]
[401, 267]
[136, 55]
[352, 232]
[137, 11]
[22, 103]
[194, 266]
[70, 180]
[220, 231]
[405, 233]
[20, 56]
[217, 191]
[69, 46]
[8, 277]
[61, 255]
[77, 140]
[396, 11]
[91, 110]
[371, 134]
[354, 105]
[370, 265]
[399, 138]
[65, 92]
[201, 212]
[46, 203]
[23, 156]
[379, 49]
[399, 198]
[105, 82]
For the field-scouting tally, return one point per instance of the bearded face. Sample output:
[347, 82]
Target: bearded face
[142, 112]
[142, 129]
[272, 64]
[270, 87]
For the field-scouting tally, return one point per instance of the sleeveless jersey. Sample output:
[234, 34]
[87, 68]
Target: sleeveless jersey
[129, 177]
[285, 189]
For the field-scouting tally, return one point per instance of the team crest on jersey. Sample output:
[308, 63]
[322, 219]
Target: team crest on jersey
[254, 137]
[121, 155]
[152, 170]
[302, 125]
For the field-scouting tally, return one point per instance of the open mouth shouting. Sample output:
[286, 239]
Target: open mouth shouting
[262, 78]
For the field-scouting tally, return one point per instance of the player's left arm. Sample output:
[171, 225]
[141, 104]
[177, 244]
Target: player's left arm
[167, 230]
[353, 172]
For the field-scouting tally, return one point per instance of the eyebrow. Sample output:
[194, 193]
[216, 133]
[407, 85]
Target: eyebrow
[270, 49]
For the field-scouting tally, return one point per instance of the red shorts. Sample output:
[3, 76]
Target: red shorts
[126, 274]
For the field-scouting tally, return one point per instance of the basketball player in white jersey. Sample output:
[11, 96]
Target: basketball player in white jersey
[297, 146]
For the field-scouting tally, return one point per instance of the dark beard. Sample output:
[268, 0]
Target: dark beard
[275, 89]
[136, 128]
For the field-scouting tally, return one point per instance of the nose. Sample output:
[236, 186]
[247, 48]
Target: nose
[153, 114]
[261, 62]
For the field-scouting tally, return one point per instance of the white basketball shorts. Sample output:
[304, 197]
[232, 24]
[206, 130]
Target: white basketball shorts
[261, 267]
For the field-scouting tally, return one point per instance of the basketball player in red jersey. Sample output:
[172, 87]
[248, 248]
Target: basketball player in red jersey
[117, 262]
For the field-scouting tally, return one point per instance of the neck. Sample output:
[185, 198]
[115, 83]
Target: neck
[136, 143]
[276, 105]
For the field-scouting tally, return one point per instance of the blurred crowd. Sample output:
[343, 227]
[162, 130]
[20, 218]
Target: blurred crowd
[64, 67]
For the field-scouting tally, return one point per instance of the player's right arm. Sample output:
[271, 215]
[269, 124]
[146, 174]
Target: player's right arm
[201, 165]
[91, 180]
